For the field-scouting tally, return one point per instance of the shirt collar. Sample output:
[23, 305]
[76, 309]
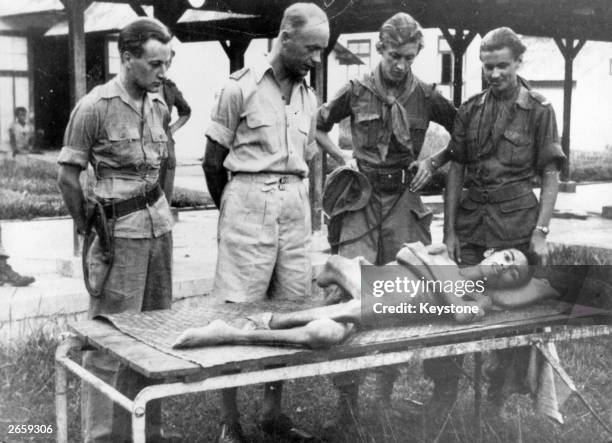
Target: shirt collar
[261, 66]
[114, 88]
[522, 98]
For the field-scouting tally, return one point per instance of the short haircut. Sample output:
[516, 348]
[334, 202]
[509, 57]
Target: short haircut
[20, 109]
[399, 30]
[298, 14]
[502, 38]
[133, 36]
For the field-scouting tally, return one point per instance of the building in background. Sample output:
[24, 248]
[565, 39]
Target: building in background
[34, 71]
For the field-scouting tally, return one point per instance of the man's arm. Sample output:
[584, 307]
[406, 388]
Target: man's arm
[452, 196]
[327, 145]
[72, 192]
[549, 160]
[215, 173]
[183, 109]
[548, 197]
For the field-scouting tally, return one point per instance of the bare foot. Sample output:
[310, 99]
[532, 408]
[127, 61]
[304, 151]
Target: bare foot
[216, 332]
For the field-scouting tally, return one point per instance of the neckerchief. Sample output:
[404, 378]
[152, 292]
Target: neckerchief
[394, 116]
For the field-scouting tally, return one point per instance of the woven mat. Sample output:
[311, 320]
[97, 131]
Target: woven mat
[159, 329]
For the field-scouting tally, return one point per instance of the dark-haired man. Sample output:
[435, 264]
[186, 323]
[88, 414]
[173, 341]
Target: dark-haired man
[261, 132]
[390, 110]
[120, 129]
[503, 137]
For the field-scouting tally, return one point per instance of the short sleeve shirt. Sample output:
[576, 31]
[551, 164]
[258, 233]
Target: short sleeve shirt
[125, 146]
[354, 100]
[261, 131]
[510, 149]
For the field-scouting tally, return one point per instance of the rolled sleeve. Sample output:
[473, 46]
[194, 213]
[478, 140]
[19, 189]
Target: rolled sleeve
[457, 147]
[335, 110]
[80, 135]
[225, 116]
[547, 139]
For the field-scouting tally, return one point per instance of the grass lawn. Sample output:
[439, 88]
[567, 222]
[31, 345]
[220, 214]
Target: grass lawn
[26, 396]
[28, 189]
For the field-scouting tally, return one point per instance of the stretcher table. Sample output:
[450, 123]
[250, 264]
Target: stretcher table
[142, 341]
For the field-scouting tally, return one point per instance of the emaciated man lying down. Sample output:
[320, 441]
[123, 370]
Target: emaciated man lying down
[506, 274]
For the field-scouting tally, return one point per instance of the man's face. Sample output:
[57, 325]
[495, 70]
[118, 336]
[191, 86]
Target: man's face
[21, 117]
[397, 60]
[507, 268]
[302, 50]
[500, 67]
[148, 71]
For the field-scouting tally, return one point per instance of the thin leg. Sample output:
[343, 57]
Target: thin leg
[320, 333]
[349, 312]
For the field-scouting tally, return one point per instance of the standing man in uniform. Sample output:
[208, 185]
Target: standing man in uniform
[261, 132]
[120, 129]
[503, 137]
[390, 110]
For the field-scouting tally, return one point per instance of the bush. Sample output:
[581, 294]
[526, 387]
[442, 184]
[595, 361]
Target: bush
[28, 189]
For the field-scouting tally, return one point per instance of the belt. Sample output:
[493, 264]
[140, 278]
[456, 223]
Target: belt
[387, 179]
[124, 207]
[501, 194]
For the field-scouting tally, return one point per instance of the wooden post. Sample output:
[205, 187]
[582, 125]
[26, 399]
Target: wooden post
[77, 75]
[458, 43]
[318, 164]
[569, 51]
[235, 49]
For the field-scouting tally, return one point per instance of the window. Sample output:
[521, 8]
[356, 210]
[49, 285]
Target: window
[14, 81]
[13, 53]
[113, 60]
[447, 69]
[362, 49]
[446, 75]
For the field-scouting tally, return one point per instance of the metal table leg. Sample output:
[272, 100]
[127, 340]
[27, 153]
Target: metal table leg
[478, 395]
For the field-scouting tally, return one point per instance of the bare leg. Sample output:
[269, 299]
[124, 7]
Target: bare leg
[349, 312]
[320, 333]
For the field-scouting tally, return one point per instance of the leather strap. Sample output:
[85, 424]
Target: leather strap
[125, 207]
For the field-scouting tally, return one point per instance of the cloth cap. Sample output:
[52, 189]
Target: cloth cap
[345, 190]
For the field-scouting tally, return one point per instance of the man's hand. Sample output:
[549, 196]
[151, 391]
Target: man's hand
[424, 173]
[539, 247]
[453, 246]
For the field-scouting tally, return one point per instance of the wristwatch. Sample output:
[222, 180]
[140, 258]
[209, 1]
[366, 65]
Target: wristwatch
[543, 229]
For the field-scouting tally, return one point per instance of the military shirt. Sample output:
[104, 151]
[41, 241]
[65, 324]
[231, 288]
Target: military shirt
[354, 100]
[517, 147]
[125, 146]
[503, 142]
[261, 131]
